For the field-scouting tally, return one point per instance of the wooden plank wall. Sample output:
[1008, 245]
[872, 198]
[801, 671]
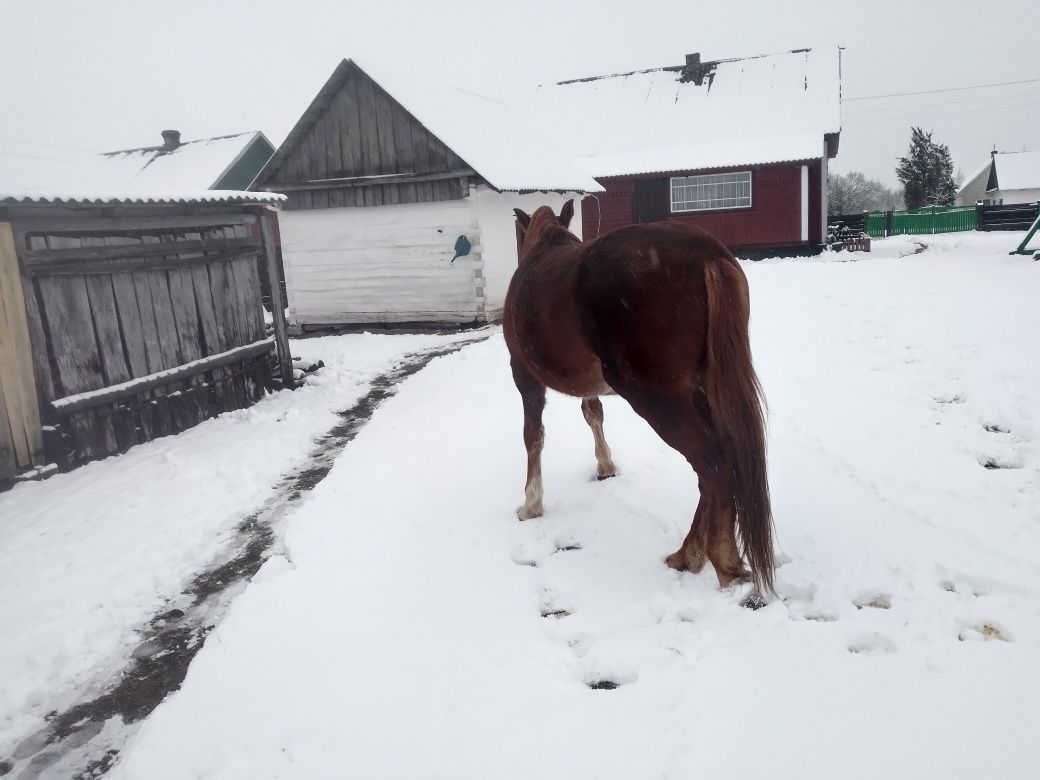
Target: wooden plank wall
[353, 265]
[114, 304]
[365, 132]
[21, 441]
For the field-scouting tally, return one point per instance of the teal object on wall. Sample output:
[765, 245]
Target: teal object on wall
[462, 247]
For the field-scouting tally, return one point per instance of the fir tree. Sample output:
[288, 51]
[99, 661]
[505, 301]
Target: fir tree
[926, 173]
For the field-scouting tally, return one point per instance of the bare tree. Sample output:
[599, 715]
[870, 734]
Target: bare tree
[853, 193]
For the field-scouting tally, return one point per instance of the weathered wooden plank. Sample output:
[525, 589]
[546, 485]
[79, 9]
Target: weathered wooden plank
[116, 265]
[17, 374]
[107, 395]
[102, 225]
[281, 331]
[95, 249]
[380, 179]
[106, 323]
[8, 457]
[131, 326]
[384, 126]
[158, 288]
[220, 291]
[211, 337]
[38, 340]
[149, 326]
[66, 312]
[369, 135]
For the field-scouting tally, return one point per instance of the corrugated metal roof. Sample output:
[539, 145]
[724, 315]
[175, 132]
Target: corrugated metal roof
[769, 108]
[115, 198]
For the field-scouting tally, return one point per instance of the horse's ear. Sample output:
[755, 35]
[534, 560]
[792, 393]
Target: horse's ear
[522, 218]
[567, 213]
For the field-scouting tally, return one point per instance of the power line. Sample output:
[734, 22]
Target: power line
[914, 117]
[973, 101]
[947, 89]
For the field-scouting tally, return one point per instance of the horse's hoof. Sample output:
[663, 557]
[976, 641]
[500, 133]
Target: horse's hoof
[523, 513]
[677, 560]
[602, 477]
[681, 560]
[753, 600]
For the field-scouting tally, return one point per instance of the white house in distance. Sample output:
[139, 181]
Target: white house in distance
[1006, 178]
[400, 201]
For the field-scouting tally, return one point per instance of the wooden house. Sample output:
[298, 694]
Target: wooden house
[739, 147]
[400, 200]
[1006, 178]
[124, 318]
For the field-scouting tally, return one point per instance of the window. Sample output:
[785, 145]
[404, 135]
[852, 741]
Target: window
[711, 191]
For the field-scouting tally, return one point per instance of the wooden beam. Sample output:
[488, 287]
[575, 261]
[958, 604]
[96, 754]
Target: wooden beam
[38, 257]
[121, 264]
[368, 181]
[281, 332]
[50, 225]
[17, 377]
[90, 399]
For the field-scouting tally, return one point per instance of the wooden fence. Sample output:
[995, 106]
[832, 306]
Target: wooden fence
[118, 329]
[1013, 216]
[938, 219]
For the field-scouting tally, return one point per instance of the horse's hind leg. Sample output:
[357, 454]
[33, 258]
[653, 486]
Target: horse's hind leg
[532, 392]
[682, 420]
[592, 409]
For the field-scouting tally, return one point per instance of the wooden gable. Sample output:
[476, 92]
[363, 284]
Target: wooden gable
[354, 130]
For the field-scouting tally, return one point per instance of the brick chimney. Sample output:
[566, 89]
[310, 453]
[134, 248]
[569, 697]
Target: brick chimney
[695, 70]
[171, 139]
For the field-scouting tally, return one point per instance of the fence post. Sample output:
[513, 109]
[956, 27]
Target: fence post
[888, 223]
[18, 395]
[281, 333]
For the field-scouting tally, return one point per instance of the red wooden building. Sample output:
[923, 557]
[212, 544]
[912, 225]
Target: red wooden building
[738, 147]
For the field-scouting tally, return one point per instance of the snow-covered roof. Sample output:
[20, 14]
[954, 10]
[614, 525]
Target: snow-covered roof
[189, 167]
[1017, 170]
[984, 168]
[137, 197]
[496, 139]
[769, 108]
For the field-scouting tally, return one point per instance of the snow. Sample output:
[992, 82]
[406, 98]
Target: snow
[133, 176]
[401, 634]
[721, 154]
[753, 110]
[194, 165]
[1018, 170]
[104, 197]
[495, 138]
[88, 557]
[181, 370]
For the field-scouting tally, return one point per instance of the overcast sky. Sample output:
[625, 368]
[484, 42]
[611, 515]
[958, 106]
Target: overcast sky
[99, 76]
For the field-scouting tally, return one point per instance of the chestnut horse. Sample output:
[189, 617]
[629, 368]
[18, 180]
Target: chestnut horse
[657, 314]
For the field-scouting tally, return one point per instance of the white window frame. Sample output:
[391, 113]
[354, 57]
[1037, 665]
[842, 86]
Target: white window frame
[686, 181]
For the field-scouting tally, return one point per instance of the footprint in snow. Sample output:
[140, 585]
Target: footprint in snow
[872, 644]
[984, 632]
[873, 600]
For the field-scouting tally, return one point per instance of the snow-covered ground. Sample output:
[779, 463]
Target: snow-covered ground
[86, 558]
[402, 632]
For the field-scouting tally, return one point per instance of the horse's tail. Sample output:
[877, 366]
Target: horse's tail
[737, 407]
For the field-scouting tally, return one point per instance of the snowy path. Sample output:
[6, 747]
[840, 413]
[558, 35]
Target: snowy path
[415, 629]
[89, 560]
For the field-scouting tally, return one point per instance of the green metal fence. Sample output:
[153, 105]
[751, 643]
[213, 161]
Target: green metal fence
[933, 219]
[876, 222]
[923, 221]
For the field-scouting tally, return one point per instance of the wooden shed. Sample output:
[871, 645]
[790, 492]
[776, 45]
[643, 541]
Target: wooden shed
[127, 318]
[739, 147]
[400, 200]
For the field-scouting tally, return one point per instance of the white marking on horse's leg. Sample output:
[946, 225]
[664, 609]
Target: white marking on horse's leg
[604, 462]
[592, 409]
[532, 506]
